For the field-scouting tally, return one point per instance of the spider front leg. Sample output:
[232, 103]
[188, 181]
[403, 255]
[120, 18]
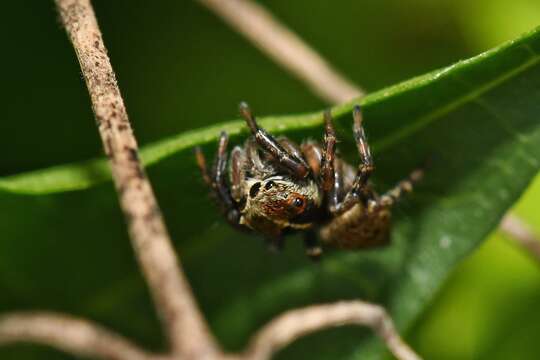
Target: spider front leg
[290, 147]
[330, 175]
[237, 173]
[216, 180]
[332, 171]
[329, 153]
[359, 189]
[312, 152]
[313, 248]
[295, 165]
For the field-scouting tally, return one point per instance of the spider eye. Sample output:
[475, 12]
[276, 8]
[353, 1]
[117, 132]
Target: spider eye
[269, 185]
[254, 190]
[298, 202]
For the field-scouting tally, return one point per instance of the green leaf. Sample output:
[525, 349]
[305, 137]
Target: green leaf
[64, 245]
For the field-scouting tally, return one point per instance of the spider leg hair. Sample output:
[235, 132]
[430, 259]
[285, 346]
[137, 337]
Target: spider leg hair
[296, 166]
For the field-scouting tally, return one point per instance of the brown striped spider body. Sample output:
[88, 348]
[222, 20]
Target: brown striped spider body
[273, 187]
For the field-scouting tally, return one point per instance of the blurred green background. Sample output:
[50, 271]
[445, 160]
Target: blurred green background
[179, 67]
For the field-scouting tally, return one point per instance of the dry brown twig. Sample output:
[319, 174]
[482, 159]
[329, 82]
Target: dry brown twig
[79, 337]
[296, 323]
[285, 48]
[522, 235]
[167, 283]
[183, 322]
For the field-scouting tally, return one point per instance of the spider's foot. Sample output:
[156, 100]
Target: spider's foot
[275, 245]
[314, 253]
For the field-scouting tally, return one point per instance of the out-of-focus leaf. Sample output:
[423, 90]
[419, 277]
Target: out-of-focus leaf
[485, 297]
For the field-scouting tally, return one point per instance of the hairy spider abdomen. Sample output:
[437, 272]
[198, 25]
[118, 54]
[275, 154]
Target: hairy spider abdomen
[358, 228]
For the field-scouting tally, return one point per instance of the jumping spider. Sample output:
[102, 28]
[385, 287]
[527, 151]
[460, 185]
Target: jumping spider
[275, 187]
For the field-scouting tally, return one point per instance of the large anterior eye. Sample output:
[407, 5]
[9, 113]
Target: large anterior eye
[298, 202]
[254, 190]
[269, 185]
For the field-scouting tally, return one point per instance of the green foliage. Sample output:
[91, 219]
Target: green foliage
[67, 250]
[488, 307]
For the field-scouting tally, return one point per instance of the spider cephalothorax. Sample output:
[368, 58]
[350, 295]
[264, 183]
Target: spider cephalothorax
[276, 203]
[273, 187]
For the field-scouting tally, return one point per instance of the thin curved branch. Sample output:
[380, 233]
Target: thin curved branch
[521, 234]
[167, 283]
[294, 324]
[75, 336]
[285, 48]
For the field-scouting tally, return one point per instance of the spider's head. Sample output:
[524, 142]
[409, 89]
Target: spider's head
[279, 202]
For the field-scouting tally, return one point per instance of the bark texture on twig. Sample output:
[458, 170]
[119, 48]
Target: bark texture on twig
[171, 292]
[285, 48]
[521, 234]
[76, 336]
[294, 324]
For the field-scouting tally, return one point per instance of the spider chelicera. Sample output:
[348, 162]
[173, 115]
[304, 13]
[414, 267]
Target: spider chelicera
[274, 187]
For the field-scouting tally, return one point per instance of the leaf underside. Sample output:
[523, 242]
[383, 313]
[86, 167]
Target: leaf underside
[64, 246]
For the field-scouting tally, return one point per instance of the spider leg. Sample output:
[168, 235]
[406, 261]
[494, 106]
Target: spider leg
[293, 164]
[290, 146]
[201, 163]
[313, 248]
[366, 166]
[332, 171]
[313, 155]
[359, 188]
[219, 170]
[276, 244]
[237, 173]
[216, 180]
[331, 166]
[253, 158]
[389, 198]
[336, 192]
[329, 153]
